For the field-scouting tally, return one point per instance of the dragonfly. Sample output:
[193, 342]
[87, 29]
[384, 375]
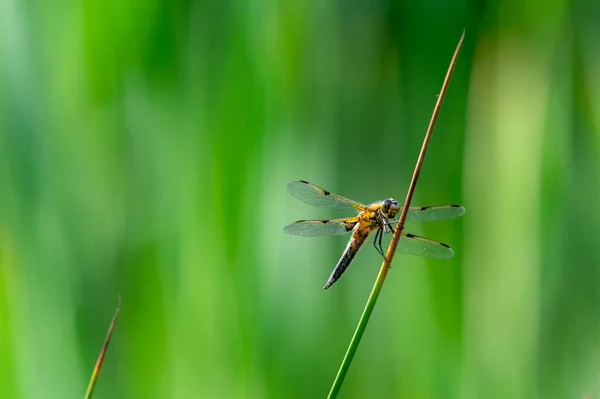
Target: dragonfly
[376, 217]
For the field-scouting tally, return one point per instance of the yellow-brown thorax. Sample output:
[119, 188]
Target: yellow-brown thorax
[372, 217]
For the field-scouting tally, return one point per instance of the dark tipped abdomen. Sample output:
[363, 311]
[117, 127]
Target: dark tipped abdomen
[347, 257]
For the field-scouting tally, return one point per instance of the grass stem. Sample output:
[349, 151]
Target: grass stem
[364, 319]
[98, 367]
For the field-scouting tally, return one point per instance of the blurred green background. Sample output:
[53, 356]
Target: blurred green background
[144, 148]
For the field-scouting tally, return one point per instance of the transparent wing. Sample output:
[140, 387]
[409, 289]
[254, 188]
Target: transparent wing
[434, 213]
[313, 195]
[421, 246]
[311, 228]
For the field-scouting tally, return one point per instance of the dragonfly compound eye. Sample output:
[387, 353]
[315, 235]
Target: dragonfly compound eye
[385, 205]
[392, 208]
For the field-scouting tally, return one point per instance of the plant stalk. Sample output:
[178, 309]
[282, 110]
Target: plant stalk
[364, 319]
[98, 367]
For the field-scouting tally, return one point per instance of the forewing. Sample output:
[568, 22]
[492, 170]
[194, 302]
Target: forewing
[434, 213]
[311, 228]
[313, 195]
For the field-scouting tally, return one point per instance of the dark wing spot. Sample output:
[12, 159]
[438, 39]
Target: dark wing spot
[325, 221]
[447, 246]
[300, 221]
[326, 193]
[410, 235]
[423, 208]
[455, 206]
[303, 181]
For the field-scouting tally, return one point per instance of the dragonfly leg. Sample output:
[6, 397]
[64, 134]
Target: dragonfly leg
[376, 240]
[380, 249]
[380, 246]
[377, 243]
[387, 225]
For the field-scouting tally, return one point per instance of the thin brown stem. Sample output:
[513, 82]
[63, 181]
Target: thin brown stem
[417, 171]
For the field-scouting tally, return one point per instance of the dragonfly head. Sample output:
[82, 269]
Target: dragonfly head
[390, 208]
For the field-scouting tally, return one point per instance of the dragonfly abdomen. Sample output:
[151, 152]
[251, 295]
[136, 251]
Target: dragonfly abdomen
[358, 238]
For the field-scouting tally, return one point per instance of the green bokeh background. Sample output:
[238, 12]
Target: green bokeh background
[143, 152]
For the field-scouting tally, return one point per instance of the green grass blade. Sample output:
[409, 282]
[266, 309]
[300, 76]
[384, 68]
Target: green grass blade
[98, 367]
